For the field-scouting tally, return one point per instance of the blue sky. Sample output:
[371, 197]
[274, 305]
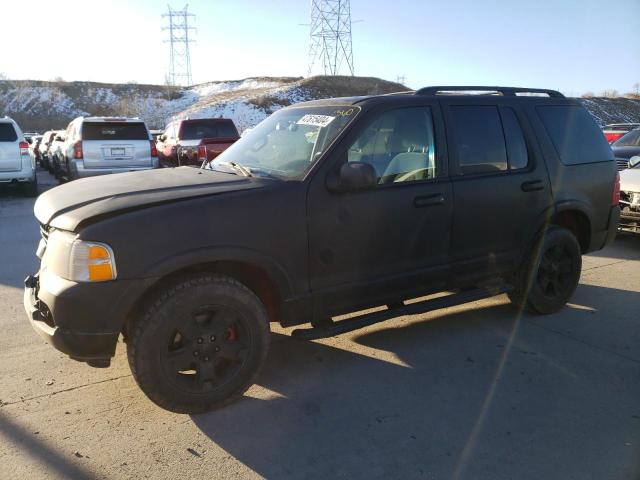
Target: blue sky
[571, 45]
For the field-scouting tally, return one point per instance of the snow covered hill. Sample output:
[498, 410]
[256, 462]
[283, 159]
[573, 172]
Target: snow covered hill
[40, 106]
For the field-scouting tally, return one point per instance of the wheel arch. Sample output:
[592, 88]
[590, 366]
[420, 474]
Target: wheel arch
[264, 277]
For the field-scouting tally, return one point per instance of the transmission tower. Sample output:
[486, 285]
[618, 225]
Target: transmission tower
[179, 40]
[330, 36]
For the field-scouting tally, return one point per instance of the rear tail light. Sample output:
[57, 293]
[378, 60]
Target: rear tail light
[77, 150]
[202, 153]
[154, 149]
[615, 199]
[24, 148]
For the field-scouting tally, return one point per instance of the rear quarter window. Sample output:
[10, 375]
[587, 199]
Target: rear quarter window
[7, 133]
[114, 131]
[575, 135]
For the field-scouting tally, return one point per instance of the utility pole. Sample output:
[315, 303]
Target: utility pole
[330, 37]
[179, 40]
[401, 79]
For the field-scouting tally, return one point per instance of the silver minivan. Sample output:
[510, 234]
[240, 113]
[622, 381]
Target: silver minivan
[16, 164]
[101, 145]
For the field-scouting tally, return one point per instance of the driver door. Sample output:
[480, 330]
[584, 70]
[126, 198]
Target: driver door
[375, 246]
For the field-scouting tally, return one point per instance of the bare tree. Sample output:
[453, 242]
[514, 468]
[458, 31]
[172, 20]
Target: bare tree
[588, 95]
[612, 93]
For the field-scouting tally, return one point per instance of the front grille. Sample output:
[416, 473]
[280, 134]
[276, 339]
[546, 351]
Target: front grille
[622, 163]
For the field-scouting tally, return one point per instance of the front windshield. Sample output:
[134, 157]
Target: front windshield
[631, 139]
[288, 143]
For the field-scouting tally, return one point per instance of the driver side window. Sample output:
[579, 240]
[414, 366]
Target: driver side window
[399, 144]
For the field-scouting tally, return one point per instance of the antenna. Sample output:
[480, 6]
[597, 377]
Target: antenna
[330, 35]
[179, 40]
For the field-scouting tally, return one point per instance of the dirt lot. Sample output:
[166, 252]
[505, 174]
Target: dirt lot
[469, 392]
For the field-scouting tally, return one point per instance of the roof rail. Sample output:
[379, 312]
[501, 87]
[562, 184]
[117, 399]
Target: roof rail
[505, 91]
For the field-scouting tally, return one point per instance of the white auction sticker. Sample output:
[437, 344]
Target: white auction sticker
[315, 120]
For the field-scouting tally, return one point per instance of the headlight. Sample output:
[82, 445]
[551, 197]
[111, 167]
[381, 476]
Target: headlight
[78, 260]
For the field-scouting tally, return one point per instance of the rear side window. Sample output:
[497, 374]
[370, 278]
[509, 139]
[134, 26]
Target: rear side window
[208, 129]
[7, 133]
[114, 131]
[479, 139]
[574, 134]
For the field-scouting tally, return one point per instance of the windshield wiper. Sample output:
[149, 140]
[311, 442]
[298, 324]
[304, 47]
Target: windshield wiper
[242, 170]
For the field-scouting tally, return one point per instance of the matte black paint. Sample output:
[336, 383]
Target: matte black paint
[328, 252]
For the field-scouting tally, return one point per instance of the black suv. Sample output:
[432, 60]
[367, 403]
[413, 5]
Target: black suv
[324, 208]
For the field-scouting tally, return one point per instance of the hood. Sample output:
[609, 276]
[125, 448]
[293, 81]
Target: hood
[625, 152]
[630, 180]
[68, 205]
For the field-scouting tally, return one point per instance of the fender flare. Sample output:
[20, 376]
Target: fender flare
[193, 258]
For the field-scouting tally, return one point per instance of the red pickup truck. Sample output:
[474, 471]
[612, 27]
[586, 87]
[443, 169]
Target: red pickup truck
[190, 141]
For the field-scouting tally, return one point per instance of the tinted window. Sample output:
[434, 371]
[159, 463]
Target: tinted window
[399, 145]
[479, 139]
[575, 135]
[114, 131]
[7, 133]
[631, 139]
[208, 129]
[516, 146]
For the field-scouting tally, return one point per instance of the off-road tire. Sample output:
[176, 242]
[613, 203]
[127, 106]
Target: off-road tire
[174, 306]
[530, 282]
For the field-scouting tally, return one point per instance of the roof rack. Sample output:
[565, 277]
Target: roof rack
[505, 91]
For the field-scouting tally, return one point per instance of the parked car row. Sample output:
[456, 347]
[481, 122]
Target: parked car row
[101, 145]
[16, 164]
[614, 131]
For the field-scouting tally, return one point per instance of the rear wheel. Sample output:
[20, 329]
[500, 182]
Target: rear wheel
[550, 273]
[199, 344]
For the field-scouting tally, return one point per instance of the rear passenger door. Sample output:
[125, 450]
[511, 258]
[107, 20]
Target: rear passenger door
[500, 186]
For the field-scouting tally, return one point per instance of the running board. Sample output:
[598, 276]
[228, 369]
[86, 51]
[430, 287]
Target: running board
[336, 328]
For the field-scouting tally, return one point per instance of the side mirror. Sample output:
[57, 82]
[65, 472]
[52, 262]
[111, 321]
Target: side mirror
[353, 177]
[59, 138]
[633, 161]
[162, 137]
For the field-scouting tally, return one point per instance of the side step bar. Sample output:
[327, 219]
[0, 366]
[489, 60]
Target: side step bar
[332, 329]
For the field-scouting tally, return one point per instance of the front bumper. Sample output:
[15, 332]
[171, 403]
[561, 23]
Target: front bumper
[82, 320]
[93, 348]
[630, 219]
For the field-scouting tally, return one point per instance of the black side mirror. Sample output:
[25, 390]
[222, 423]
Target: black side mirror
[353, 177]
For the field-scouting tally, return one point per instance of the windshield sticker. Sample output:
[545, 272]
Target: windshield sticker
[315, 120]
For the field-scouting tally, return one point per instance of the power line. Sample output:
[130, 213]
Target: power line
[330, 35]
[401, 79]
[179, 40]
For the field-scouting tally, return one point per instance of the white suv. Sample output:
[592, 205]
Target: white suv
[16, 165]
[101, 145]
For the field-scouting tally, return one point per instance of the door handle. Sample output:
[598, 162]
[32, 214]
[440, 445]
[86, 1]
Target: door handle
[532, 186]
[428, 200]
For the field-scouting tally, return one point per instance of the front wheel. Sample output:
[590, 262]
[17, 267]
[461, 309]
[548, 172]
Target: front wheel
[550, 273]
[199, 344]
